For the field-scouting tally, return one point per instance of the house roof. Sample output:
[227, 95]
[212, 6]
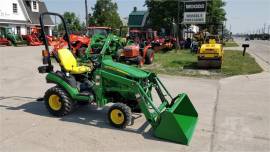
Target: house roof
[12, 21]
[138, 13]
[34, 16]
[137, 18]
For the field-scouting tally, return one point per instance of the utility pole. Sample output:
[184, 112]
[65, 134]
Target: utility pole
[178, 23]
[86, 13]
[55, 22]
[264, 28]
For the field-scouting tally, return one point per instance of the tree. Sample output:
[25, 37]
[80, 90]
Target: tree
[163, 13]
[216, 15]
[91, 20]
[72, 21]
[105, 14]
[215, 12]
[83, 25]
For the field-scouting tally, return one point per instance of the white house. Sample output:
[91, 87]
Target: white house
[23, 15]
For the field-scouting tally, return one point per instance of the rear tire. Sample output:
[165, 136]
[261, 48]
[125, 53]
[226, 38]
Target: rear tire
[58, 102]
[203, 64]
[149, 58]
[119, 115]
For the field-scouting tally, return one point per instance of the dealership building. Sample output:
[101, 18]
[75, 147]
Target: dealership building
[23, 15]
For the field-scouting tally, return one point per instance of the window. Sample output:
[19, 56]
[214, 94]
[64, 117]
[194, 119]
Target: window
[15, 8]
[18, 29]
[28, 30]
[34, 5]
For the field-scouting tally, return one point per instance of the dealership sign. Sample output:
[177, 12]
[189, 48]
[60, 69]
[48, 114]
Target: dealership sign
[194, 17]
[195, 12]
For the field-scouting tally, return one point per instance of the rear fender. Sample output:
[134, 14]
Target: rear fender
[56, 79]
[78, 45]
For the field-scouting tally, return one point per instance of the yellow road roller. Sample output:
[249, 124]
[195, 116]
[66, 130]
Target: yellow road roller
[210, 54]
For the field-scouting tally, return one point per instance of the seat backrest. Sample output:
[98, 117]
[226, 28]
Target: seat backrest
[67, 59]
[212, 41]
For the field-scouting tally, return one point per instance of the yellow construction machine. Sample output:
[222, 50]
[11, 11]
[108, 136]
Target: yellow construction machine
[210, 54]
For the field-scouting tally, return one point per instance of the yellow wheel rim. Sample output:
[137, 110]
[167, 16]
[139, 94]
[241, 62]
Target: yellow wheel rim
[54, 102]
[117, 116]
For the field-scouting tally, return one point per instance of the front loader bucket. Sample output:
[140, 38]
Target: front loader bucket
[177, 123]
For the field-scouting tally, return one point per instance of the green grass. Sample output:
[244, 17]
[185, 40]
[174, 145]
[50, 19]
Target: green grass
[185, 63]
[236, 64]
[231, 44]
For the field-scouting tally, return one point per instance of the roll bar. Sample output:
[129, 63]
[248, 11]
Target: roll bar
[45, 41]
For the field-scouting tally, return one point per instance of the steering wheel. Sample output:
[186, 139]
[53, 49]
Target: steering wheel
[94, 59]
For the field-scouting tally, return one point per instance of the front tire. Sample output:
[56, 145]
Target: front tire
[119, 115]
[149, 58]
[140, 61]
[58, 102]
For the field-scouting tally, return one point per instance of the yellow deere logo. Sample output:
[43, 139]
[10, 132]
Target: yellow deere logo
[115, 69]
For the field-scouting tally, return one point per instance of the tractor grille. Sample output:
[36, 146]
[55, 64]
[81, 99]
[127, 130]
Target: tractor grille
[210, 51]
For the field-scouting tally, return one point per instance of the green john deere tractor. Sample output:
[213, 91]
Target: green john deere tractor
[96, 44]
[15, 39]
[104, 81]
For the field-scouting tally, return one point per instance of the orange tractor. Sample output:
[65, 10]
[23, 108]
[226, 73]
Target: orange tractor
[32, 39]
[3, 39]
[78, 43]
[141, 45]
[161, 42]
[138, 49]
[158, 43]
[52, 40]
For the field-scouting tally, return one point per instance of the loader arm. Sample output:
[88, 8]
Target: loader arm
[179, 113]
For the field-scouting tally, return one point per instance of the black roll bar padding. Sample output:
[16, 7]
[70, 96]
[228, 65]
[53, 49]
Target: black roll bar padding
[45, 41]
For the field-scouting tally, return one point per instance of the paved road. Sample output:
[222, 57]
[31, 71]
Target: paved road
[260, 49]
[233, 114]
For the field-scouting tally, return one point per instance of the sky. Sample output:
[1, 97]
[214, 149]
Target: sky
[247, 16]
[243, 16]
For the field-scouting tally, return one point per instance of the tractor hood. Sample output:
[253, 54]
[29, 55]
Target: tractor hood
[124, 69]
